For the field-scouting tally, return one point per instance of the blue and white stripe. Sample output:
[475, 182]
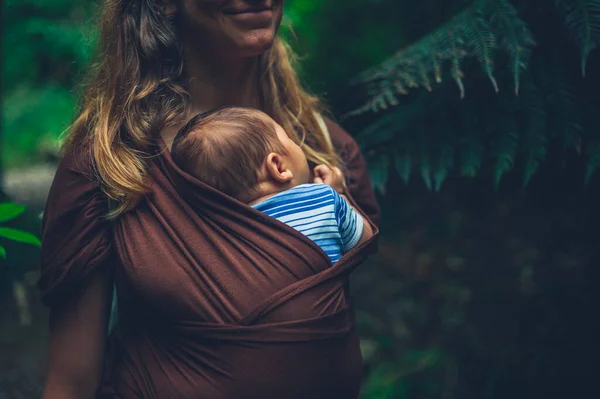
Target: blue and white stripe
[320, 213]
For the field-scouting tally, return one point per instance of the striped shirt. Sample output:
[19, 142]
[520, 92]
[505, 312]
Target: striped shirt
[320, 213]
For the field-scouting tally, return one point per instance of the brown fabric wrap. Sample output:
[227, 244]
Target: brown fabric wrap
[216, 299]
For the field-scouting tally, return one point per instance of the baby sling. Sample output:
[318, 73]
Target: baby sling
[218, 300]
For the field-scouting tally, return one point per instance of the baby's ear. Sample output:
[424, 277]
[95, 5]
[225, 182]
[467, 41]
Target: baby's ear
[277, 168]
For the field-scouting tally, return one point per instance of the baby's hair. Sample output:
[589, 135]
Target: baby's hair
[226, 147]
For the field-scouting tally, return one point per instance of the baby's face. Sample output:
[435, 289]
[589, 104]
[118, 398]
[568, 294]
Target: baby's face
[296, 157]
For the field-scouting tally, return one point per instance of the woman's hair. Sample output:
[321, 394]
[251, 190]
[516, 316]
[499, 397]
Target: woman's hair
[226, 148]
[136, 88]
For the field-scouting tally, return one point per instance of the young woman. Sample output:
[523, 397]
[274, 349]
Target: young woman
[216, 300]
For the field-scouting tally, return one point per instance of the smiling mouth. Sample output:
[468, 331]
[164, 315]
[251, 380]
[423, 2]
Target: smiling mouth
[249, 10]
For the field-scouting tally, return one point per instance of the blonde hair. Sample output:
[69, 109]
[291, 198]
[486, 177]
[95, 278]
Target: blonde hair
[135, 89]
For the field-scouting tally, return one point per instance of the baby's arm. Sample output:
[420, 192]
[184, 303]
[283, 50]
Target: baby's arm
[367, 232]
[354, 229]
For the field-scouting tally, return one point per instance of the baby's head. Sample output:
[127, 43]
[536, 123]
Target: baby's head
[241, 152]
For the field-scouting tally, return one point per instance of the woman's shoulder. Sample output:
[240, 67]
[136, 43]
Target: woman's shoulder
[77, 159]
[75, 185]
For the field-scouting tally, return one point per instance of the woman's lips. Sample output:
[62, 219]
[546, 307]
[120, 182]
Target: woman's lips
[248, 10]
[255, 16]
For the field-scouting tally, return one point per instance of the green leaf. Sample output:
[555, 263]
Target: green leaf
[403, 164]
[565, 108]
[426, 172]
[457, 54]
[478, 31]
[593, 161]
[2, 252]
[471, 152]
[514, 36]
[379, 172]
[471, 158]
[384, 382]
[535, 142]
[20, 236]
[504, 151]
[592, 136]
[444, 162]
[537, 153]
[403, 152]
[582, 18]
[9, 211]
[482, 43]
[423, 76]
[436, 65]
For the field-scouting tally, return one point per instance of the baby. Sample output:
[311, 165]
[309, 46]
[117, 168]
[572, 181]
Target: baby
[245, 154]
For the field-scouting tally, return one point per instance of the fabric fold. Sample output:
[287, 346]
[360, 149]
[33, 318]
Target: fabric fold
[76, 237]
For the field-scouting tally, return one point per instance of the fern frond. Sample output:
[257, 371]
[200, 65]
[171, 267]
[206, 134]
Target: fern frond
[403, 165]
[444, 164]
[471, 153]
[436, 66]
[504, 150]
[423, 150]
[566, 123]
[457, 54]
[424, 78]
[426, 171]
[514, 36]
[399, 87]
[441, 145]
[592, 136]
[482, 43]
[534, 139]
[389, 97]
[378, 102]
[404, 153]
[406, 76]
[593, 160]
[582, 18]
[478, 31]
[520, 58]
[379, 169]
[536, 143]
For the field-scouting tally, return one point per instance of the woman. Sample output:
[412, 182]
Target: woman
[215, 299]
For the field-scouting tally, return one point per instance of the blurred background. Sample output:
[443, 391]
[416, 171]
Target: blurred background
[480, 121]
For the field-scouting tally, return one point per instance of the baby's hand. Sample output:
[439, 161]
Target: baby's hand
[332, 177]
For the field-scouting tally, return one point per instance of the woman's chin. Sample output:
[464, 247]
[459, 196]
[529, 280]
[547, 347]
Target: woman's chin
[256, 42]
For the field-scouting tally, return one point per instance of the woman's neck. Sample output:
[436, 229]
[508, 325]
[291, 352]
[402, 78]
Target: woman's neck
[215, 83]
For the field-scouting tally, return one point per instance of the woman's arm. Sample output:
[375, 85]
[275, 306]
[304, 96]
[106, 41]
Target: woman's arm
[78, 331]
[76, 276]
